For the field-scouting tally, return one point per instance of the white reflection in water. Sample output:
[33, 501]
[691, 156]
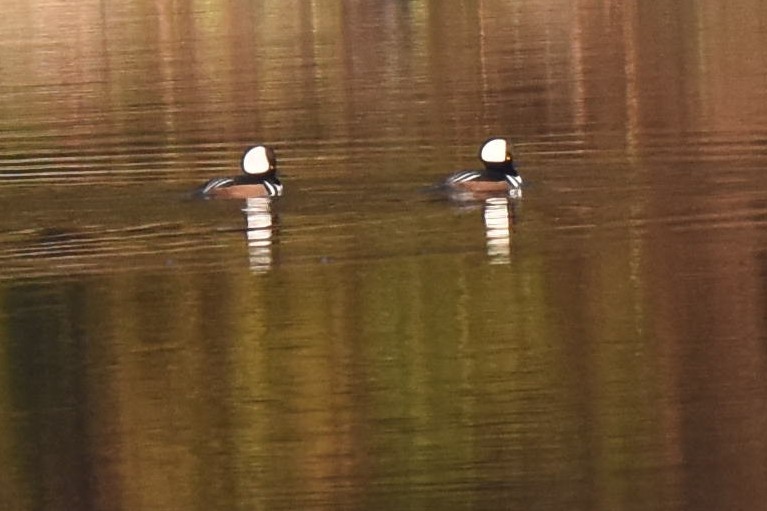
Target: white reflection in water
[259, 221]
[498, 229]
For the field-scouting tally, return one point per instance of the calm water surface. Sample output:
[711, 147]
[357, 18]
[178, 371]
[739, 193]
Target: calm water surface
[362, 343]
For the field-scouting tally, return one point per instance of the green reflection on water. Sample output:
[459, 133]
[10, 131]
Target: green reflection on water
[413, 381]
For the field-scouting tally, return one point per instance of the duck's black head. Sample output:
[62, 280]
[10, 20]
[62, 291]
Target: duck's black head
[495, 153]
[259, 161]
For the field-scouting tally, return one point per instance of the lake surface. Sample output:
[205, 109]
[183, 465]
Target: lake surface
[363, 342]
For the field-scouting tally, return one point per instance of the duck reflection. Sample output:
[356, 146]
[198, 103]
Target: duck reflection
[259, 231]
[498, 216]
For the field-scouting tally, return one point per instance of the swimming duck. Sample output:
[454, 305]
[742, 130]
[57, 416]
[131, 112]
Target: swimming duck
[499, 174]
[259, 166]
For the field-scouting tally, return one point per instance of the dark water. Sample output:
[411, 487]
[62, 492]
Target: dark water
[598, 344]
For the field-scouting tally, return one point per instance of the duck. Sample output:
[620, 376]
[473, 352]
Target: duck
[259, 179]
[498, 177]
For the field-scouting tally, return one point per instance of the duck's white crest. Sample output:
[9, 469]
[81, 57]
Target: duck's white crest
[256, 161]
[494, 151]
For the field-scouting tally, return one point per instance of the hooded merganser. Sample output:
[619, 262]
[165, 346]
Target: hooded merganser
[499, 174]
[259, 165]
